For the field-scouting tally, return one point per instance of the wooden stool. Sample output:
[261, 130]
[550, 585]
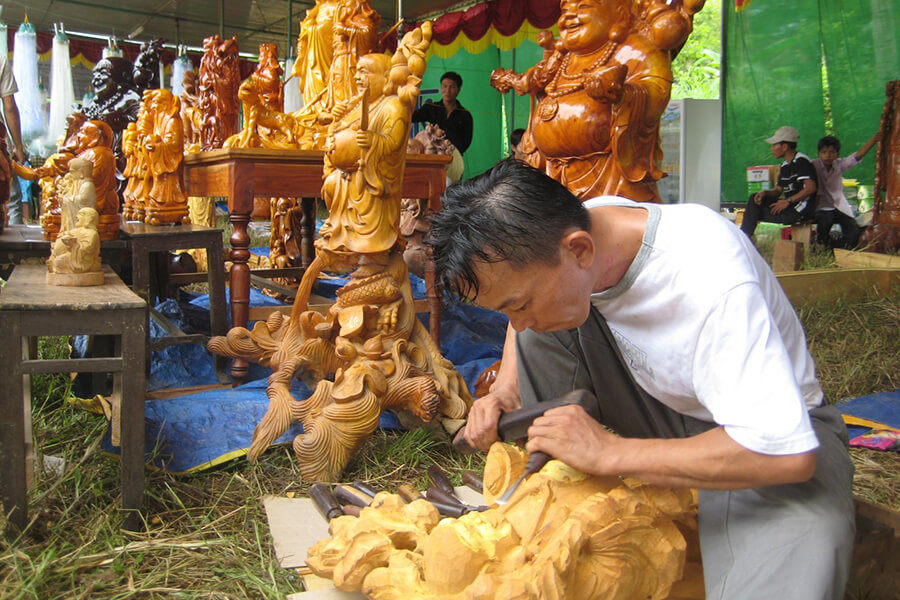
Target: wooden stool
[147, 241]
[805, 233]
[30, 308]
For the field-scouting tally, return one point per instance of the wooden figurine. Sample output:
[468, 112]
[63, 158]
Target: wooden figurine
[414, 223]
[262, 98]
[333, 36]
[599, 92]
[137, 189]
[562, 535]
[219, 80]
[145, 74]
[116, 102]
[883, 235]
[166, 201]
[75, 255]
[76, 191]
[370, 352]
[191, 115]
[93, 142]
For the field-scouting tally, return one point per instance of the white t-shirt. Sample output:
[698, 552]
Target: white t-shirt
[707, 330]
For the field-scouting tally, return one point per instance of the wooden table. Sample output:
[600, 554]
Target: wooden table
[242, 174]
[30, 308]
[18, 242]
[149, 242]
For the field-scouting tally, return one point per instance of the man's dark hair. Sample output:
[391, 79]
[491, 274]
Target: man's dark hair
[512, 213]
[829, 140]
[791, 145]
[454, 77]
[515, 137]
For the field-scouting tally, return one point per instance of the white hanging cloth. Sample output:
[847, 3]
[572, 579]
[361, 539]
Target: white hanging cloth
[28, 98]
[180, 66]
[62, 91]
[292, 99]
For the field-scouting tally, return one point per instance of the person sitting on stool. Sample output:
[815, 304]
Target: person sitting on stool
[833, 205]
[796, 180]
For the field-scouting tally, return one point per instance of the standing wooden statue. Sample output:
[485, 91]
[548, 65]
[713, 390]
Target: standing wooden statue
[378, 353]
[598, 94]
[219, 80]
[137, 189]
[92, 142]
[167, 202]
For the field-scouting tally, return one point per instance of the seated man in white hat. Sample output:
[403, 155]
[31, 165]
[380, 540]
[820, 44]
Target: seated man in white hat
[793, 198]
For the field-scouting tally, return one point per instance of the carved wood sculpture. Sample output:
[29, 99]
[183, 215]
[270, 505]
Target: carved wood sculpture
[262, 97]
[167, 202]
[333, 36]
[414, 223]
[75, 255]
[191, 115]
[561, 535]
[93, 142]
[116, 101]
[599, 92]
[883, 235]
[219, 80]
[379, 353]
[137, 170]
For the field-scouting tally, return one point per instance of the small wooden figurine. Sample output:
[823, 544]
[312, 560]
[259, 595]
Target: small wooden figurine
[218, 84]
[75, 255]
[167, 202]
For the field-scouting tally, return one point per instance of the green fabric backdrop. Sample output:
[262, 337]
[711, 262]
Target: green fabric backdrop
[773, 77]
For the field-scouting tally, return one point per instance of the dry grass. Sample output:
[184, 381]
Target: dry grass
[207, 535]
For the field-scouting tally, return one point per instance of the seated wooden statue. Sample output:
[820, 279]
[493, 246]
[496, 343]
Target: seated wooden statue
[562, 535]
[599, 93]
[378, 353]
[75, 255]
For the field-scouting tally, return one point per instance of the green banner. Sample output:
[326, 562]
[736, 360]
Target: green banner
[773, 77]
[862, 53]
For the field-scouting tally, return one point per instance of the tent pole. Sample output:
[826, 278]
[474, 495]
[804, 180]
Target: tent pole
[222, 19]
[290, 26]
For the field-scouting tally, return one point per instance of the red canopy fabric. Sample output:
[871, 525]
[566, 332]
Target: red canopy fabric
[506, 16]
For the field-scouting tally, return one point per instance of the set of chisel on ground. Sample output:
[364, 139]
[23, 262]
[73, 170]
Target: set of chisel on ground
[350, 499]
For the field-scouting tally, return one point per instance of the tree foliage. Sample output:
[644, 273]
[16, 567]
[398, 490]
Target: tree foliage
[696, 68]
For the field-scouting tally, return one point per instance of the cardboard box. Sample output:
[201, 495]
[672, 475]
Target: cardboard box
[759, 178]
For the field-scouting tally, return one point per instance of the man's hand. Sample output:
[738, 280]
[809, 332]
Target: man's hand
[571, 435]
[20, 155]
[779, 206]
[481, 426]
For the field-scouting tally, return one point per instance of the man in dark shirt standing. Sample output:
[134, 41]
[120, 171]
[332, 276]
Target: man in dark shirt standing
[449, 114]
[796, 180]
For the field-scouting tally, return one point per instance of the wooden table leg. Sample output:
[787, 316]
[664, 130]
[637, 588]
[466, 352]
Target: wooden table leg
[131, 388]
[218, 319]
[240, 287]
[12, 425]
[307, 231]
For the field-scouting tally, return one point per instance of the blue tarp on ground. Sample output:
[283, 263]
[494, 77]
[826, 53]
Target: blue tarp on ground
[883, 408]
[197, 431]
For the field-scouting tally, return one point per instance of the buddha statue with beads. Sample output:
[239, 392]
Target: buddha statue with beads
[599, 93]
